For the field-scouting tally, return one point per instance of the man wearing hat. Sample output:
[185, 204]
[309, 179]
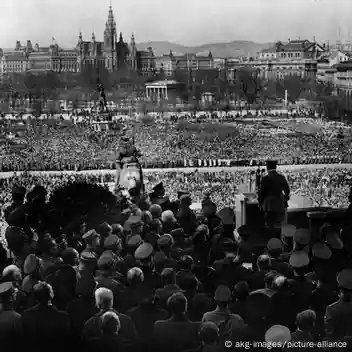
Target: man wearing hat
[92, 241]
[227, 322]
[10, 320]
[165, 243]
[273, 195]
[18, 195]
[104, 230]
[185, 215]
[32, 270]
[134, 225]
[180, 243]
[144, 254]
[275, 248]
[323, 264]
[181, 193]
[87, 263]
[302, 288]
[158, 195]
[113, 243]
[301, 239]
[105, 278]
[209, 211]
[287, 234]
[338, 315]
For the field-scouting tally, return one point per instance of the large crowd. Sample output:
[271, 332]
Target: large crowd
[80, 271]
[166, 278]
[164, 143]
[323, 186]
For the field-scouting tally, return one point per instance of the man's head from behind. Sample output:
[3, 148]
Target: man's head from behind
[43, 292]
[104, 298]
[177, 304]
[208, 333]
[305, 320]
[168, 276]
[110, 323]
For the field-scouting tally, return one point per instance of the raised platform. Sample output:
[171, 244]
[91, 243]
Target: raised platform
[312, 218]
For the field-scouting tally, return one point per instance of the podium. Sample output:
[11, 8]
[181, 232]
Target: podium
[247, 210]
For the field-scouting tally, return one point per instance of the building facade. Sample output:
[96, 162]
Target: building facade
[16, 62]
[326, 64]
[112, 53]
[168, 63]
[146, 62]
[297, 57]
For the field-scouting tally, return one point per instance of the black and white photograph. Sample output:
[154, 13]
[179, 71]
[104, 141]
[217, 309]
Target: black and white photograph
[175, 175]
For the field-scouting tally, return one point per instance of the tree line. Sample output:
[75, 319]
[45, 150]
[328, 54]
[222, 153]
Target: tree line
[244, 84]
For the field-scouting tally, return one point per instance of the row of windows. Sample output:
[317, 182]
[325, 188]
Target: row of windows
[291, 54]
[295, 68]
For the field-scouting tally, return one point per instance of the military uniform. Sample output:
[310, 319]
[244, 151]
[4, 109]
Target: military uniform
[278, 263]
[145, 314]
[83, 307]
[113, 243]
[105, 278]
[338, 323]
[301, 240]
[301, 286]
[274, 194]
[10, 321]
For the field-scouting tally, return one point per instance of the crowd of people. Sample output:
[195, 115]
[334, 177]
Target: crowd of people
[164, 144]
[160, 274]
[166, 278]
[323, 186]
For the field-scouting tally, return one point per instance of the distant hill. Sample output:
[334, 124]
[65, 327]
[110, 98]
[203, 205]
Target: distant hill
[233, 49]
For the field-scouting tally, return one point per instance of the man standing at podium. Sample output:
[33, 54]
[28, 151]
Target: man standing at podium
[273, 195]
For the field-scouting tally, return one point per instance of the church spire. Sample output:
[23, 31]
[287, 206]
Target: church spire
[111, 24]
[133, 43]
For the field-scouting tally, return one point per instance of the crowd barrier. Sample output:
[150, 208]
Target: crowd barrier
[254, 162]
[186, 163]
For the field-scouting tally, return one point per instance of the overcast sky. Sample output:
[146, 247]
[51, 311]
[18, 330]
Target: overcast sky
[189, 22]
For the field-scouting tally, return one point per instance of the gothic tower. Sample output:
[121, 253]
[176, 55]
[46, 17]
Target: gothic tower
[133, 54]
[110, 41]
[80, 57]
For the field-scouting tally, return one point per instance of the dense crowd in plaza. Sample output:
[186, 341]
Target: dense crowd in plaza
[81, 271]
[162, 277]
[323, 186]
[164, 143]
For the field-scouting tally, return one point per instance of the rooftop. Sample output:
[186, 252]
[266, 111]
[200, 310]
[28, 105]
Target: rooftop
[162, 83]
[15, 57]
[344, 66]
